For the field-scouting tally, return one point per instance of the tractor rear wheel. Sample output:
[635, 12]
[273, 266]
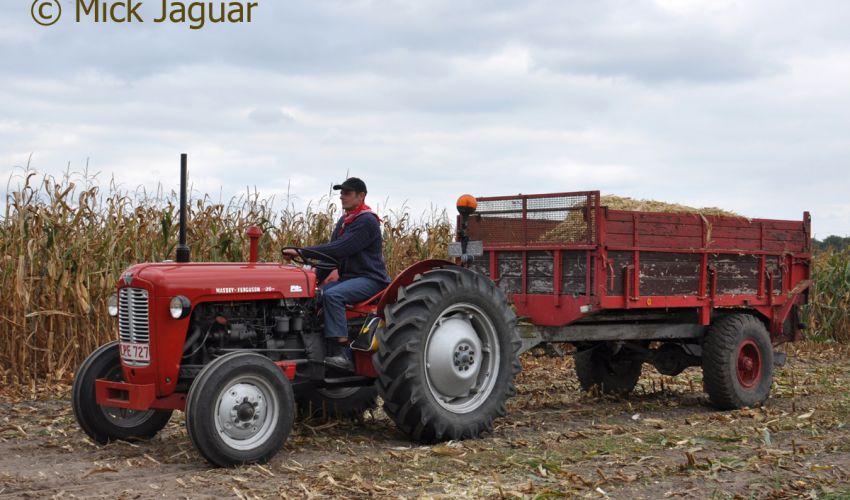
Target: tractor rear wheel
[239, 410]
[448, 356]
[337, 402]
[611, 373]
[737, 362]
[102, 423]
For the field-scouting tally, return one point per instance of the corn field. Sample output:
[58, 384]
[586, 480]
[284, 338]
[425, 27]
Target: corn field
[64, 243]
[828, 312]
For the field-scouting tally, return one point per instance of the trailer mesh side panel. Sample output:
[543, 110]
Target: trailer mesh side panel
[535, 219]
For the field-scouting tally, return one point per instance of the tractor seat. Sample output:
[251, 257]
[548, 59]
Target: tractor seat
[364, 306]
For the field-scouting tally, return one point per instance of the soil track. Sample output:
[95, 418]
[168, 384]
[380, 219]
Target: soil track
[664, 441]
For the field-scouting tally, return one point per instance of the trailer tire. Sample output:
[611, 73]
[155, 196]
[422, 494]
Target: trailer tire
[610, 373]
[337, 403]
[239, 410]
[737, 362]
[104, 424]
[448, 356]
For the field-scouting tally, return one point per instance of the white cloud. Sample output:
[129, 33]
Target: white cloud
[742, 105]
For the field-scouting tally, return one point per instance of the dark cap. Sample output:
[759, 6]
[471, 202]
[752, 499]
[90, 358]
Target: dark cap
[352, 183]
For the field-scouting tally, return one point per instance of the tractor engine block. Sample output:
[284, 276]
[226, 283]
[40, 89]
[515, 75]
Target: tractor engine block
[270, 327]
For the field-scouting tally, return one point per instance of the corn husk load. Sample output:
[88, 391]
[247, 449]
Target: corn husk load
[574, 228]
[625, 203]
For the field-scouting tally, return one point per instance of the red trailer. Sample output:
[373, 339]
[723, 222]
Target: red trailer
[626, 287]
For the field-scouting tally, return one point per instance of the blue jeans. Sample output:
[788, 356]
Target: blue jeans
[336, 294]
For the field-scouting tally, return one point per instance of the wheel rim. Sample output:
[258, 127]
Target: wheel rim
[462, 358]
[123, 417]
[749, 364]
[246, 412]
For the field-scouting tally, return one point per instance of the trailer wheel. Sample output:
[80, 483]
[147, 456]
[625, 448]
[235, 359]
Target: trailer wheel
[611, 373]
[448, 356]
[102, 423]
[737, 362]
[337, 402]
[239, 410]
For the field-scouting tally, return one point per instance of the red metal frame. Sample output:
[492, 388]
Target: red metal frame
[788, 242]
[405, 278]
[143, 396]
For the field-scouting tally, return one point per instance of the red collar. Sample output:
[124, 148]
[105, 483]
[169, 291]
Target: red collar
[357, 212]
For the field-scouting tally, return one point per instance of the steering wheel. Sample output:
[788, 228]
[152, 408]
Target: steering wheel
[324, 261]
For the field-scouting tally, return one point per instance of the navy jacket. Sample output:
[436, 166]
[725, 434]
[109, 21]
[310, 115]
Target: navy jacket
[358, 250]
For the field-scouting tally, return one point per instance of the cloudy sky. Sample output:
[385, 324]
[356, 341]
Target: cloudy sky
[739, 104]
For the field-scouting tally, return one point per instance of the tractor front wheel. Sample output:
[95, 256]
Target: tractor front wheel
[737, 362]
[448, 356]
[103, 423]
[239, 410]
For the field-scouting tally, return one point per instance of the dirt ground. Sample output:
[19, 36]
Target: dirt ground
[664, 441]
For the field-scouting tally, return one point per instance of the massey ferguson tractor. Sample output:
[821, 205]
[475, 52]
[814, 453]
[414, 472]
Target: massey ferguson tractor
[236, 345]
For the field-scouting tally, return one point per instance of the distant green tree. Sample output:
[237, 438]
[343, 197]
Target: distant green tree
[836, 243]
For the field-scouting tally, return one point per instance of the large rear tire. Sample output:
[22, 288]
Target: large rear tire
[338, 402]
[104, 424]
[737, 362]
[448, 356]
[598, 367]
[239, 410]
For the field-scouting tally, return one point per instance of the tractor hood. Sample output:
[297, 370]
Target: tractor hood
[221, 281]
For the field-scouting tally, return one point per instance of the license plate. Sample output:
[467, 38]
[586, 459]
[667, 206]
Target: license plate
[135, 352]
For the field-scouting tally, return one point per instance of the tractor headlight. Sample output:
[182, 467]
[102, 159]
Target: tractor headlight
[112, 305]
[179, 307]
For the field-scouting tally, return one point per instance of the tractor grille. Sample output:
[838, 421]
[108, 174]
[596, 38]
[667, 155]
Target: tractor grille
[133, 317]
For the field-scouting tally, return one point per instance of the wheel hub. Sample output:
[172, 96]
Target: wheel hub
[453, 358]
[245, 411]
[464, 357]
[242, 411]
[749, 364]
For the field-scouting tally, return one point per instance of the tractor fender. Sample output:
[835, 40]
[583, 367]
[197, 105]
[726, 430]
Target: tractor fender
[405, 278]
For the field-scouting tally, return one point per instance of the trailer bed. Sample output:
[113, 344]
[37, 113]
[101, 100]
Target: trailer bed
[565, 259]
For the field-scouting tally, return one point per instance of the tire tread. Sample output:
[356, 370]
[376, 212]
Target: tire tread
[405, 398]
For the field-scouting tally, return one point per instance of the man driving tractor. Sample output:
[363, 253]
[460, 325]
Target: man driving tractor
[356, 244]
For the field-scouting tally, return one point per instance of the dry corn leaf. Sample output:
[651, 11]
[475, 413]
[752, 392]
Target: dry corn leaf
[98, 470]
[806, 415]
[447, 451]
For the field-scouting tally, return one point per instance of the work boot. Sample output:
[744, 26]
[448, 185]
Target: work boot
[341, 357]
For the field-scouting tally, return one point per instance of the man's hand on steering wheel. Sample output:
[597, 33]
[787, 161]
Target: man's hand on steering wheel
[320, 261]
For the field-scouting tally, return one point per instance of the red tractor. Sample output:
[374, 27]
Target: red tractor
[236, 345]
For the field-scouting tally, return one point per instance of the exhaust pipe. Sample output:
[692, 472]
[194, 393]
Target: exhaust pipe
[182, 249]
